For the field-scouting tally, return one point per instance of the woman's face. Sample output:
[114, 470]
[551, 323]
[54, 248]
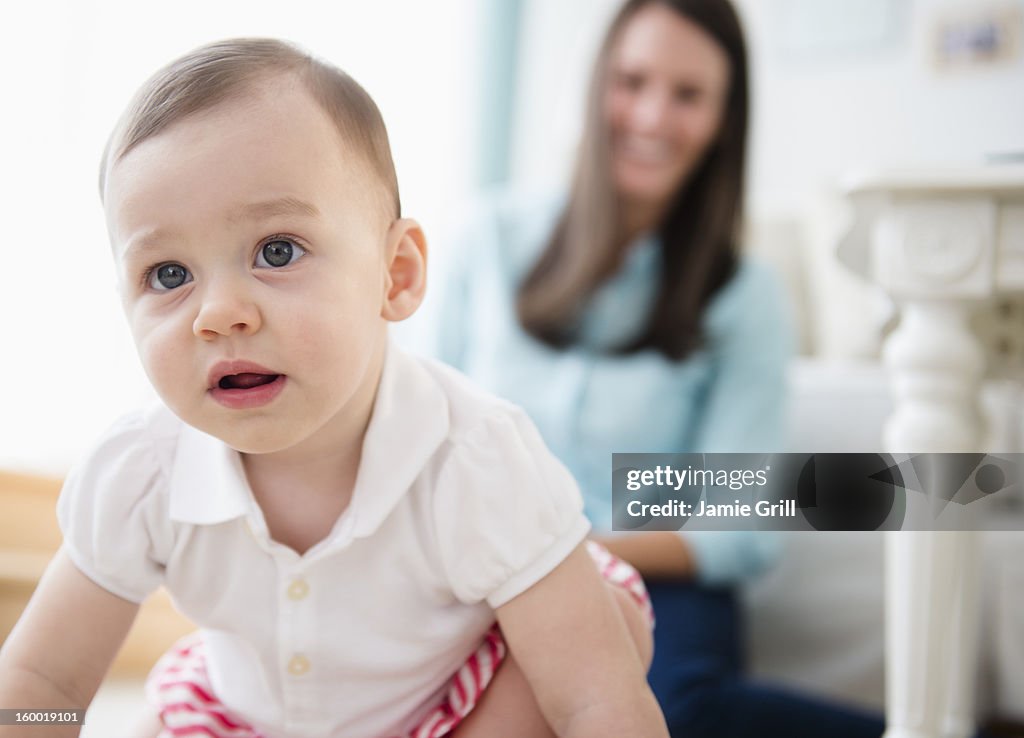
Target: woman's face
[668, 82]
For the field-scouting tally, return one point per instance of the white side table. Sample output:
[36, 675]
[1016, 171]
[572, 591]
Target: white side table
[940, 243]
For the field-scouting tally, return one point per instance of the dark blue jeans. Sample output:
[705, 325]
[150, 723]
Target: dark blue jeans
[698, 677]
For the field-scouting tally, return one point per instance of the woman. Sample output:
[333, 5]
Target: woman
[623, 318]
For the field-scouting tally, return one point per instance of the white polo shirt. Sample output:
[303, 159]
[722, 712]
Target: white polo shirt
[457, 508]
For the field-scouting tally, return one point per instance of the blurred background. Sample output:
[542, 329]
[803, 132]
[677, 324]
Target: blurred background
[476, 93]
[480, 94]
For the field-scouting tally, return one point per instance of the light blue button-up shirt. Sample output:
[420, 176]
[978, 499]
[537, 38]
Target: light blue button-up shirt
[726, 397]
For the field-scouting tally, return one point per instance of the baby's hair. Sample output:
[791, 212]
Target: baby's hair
[219, 71]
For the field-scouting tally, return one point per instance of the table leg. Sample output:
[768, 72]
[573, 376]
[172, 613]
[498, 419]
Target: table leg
[932, 597]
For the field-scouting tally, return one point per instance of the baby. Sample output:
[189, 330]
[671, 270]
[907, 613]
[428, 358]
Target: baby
[371, 546]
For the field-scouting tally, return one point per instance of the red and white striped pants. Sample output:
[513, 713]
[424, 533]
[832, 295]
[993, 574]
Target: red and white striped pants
[180, 688]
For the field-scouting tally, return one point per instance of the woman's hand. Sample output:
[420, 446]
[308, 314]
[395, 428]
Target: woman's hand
[655, 554]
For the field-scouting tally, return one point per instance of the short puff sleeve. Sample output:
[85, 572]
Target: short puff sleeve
[507, 511]
[113, 516]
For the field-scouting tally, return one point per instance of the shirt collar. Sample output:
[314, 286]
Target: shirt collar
[408, 424]
[208, 484]
[410, 421]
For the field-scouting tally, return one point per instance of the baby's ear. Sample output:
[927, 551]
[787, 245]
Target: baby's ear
[406, 276]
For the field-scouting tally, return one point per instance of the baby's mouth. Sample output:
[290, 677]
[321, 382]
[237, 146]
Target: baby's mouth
[245, 380]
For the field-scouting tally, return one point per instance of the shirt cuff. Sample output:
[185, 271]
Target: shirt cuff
[543, 565]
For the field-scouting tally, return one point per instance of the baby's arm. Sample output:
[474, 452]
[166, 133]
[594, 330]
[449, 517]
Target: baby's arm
[58, 653]
[573, 646]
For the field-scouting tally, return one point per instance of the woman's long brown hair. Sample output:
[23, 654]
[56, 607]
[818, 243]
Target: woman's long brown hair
[699, 233]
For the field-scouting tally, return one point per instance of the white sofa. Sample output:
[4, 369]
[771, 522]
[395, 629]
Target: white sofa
[816, 620]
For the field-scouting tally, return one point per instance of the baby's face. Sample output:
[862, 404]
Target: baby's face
[250, 253]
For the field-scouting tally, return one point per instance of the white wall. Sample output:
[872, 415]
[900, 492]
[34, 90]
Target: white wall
[67, 69]
[559, 40]
[822, 106]
[819, 116]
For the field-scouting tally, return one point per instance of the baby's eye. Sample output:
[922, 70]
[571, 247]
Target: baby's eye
[278, 253]
[168, 277]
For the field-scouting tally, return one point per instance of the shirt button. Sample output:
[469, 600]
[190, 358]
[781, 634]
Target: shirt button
[298, 665]
[298, 589]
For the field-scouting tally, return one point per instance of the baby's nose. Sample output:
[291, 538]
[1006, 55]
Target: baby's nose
[226, 311]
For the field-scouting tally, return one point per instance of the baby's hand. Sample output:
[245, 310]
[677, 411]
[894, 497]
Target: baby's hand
[61, 648]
